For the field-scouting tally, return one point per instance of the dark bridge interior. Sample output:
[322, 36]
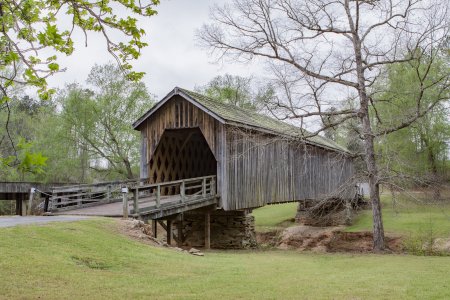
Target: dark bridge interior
[181, 154]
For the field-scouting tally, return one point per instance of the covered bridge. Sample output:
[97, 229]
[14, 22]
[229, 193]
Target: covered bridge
[258, 160]
[205, 165]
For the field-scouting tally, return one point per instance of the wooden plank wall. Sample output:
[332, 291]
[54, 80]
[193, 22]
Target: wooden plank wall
[252, 169]
[177, 113]
[264, 169]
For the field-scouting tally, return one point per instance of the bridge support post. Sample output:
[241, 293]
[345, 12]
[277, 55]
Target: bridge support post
[23, 205]
[180, 232]
[155, 228]
[30, 200]
[169, 232]
[208, 230]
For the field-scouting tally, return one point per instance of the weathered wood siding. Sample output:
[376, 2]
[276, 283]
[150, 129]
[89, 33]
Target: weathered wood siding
[177, 113]
[253, 169]
[265, 169]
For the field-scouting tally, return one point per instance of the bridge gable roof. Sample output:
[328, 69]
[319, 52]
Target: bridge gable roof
[241, 117]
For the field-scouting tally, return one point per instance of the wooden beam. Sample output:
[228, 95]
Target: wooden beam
[23, 205]
[30, 200]
[161, 222]
[125, 202]
[155, 228]
[186, 140]
[180, 233]
[207, 230]
[169, 232]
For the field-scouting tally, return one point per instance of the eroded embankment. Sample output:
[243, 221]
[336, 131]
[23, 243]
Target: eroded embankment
[325, 239]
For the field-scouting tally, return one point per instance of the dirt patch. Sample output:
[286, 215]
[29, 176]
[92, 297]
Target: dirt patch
[137, 230]
[325, 239]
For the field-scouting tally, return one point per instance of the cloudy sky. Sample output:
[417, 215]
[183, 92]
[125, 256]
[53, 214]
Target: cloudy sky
[172, 57]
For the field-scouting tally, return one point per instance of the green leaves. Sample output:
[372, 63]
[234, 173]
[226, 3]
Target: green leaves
[32, 28]
[29, 161]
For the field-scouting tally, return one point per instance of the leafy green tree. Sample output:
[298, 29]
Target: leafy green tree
[32, 27]
[32, 35]
[98, 120]
[425, 141]
[24, 115]
[29, 161]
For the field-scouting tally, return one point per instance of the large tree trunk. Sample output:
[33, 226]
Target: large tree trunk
[378, 230]
[128, 168]
[369, 148]
[434, 168]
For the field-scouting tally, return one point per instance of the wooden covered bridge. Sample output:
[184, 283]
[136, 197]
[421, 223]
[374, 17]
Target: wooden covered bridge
[207, 163]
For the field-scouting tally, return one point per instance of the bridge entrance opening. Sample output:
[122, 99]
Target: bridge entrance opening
[181, 154]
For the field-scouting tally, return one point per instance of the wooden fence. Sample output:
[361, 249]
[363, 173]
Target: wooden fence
[138, 198]
[85, 195]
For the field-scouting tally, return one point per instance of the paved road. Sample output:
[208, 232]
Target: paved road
[17, 220]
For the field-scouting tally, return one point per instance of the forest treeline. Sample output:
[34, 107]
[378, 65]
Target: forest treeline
[84, 133]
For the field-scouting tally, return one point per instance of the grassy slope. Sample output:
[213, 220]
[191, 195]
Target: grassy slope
[274, 216]
[408, 218]
[45, 261]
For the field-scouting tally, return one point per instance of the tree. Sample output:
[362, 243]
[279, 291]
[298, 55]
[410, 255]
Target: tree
[98, 120]
[231, 89]
[21, 158]
[323, 52]
[425, 141]
[32, 34]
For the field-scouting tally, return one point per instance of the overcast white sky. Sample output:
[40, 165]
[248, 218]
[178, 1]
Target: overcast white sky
[172, 57]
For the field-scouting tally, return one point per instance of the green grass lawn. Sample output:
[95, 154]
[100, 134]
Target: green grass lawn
[88, 260]
[274, 216]
[408, 218]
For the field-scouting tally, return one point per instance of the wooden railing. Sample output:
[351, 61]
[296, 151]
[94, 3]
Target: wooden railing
[150, 197]
[85, 195]
[138, 197]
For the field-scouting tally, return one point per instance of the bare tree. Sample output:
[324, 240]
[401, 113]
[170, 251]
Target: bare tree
[324, 52]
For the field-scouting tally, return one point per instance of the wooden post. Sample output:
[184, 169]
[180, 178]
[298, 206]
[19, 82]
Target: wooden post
[180, 233]
[23, 205]
[212, 188]
[18, 208]
[125, 202]
[204, 187]
[169, 232]
[30, 200]
[207, 230]
[136, 201]
[108, 193]
[158, 196]
[155, 228]
[47, 198]
[182, 191]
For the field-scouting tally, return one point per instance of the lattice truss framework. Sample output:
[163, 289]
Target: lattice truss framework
[181, 154]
